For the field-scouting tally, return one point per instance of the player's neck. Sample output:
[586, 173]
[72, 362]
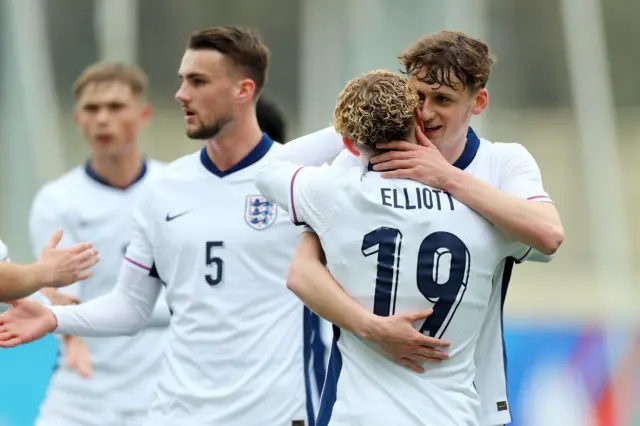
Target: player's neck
[235, 143]
[453, 150]
[118, 171]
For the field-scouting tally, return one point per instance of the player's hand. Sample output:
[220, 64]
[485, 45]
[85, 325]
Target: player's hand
[78, 356]
[61, 267]
[58, 298]
[25, 322]
[396, 336]
[421, 162]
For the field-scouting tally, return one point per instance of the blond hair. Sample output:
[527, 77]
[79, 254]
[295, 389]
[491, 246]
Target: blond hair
[378, 106]
[112, 72]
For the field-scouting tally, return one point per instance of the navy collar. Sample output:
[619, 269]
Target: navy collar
[256, 154]
[88, 169]
[469, 152]
[467, 156]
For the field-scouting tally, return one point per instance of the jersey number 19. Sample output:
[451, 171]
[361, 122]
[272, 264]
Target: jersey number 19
[444, 288]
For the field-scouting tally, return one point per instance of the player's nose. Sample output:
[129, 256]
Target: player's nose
[427, 112]
[181, 96]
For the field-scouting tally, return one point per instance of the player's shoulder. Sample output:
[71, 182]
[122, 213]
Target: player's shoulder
[181, 169]
[154, 166]
[504, 151]
[62, 187]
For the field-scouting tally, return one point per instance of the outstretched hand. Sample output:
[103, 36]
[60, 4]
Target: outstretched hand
[65, 266]
[24, 322]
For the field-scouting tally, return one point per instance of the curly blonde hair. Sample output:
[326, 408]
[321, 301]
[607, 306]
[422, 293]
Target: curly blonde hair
[378, 106]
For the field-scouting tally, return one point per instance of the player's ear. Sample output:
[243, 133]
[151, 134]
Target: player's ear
[146, 114]
[351, 147]
[480, 100]
[245, 90]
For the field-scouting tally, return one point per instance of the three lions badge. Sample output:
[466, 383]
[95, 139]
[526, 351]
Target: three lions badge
[259, 212]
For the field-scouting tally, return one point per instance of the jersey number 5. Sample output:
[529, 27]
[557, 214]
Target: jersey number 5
[213, 261]
[438, 285]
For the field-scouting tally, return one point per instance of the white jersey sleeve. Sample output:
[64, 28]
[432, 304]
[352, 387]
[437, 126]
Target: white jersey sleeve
[315, 148]
[44, 221]
[130, 305]
[305, 192]
[520, 176]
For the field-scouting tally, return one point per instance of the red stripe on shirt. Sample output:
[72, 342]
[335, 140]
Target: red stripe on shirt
[138, 264]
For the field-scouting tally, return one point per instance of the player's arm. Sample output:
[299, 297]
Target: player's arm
[303, 191]
[520, 207]
[130, 305]
[54, 268]
[310, 280]
[314, 149]
[123, 311]
[161, 314]
[18, 281]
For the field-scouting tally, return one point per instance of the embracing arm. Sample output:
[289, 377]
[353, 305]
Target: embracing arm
[536, 224]
[394, 335]
[519, 206]
[310, 280]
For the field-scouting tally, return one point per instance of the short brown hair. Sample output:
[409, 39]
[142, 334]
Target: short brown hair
[378, 106]
[436, 58]
[112, 72]
[242, 46]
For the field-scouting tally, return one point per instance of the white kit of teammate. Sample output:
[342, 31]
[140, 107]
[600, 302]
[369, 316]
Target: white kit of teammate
[194, 229]
[341, 201]
[125, 369]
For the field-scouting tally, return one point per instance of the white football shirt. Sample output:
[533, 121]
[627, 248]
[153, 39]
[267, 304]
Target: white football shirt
[510, 167]
[397, 246]
[125, 368]
[234, 354]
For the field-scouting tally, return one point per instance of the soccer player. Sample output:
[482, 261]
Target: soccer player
[109, 380]
[394, 245]
[56, 267]
[234, 354]
[502, 183]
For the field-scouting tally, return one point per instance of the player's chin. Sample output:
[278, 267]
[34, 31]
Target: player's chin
[193, 132]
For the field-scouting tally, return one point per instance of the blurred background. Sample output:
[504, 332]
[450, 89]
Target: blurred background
[564, 85]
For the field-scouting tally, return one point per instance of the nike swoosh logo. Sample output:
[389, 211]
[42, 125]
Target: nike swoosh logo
[170, 218]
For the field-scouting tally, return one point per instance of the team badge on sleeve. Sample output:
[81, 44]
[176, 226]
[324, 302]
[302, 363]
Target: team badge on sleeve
[259, 212]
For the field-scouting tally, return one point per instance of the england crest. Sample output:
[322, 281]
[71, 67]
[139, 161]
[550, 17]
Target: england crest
[259, 212]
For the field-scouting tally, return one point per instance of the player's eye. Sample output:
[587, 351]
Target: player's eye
[116, 106]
